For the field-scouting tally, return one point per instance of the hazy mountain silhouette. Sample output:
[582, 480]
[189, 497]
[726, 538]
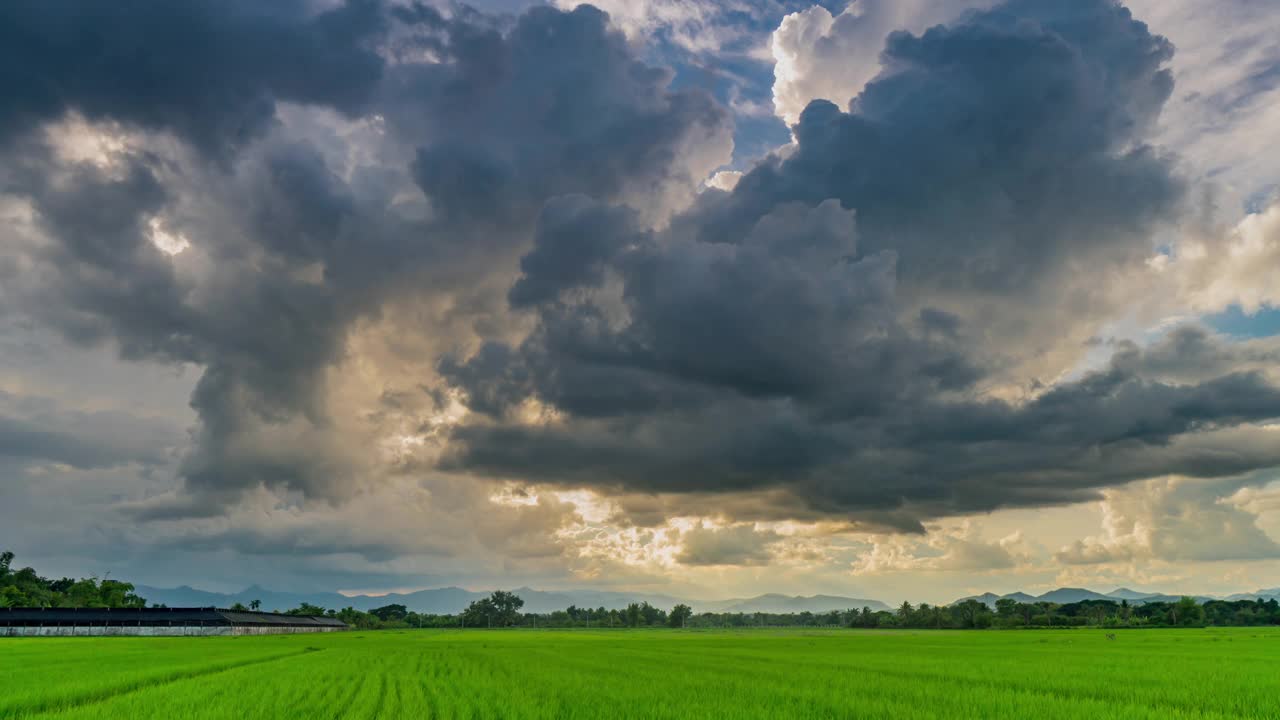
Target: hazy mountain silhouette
[1063, 596]
[449, 600]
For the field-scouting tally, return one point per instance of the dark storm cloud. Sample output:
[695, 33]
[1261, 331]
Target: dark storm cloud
[829, 327]
[918, 459]
[575, 240]
[1191, 353]
[974, 154]
[489, 120]
[558, 105]
[828, 332]
[787, 312]
[208, 70]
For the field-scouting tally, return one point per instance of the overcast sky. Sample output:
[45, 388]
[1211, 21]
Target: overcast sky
[904, 299]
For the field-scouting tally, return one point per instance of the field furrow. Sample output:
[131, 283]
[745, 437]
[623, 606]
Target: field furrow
[72, 700]
[654, 675]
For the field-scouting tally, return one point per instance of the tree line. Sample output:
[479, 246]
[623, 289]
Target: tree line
[502, 610]
[25, 588]
[1009, 613]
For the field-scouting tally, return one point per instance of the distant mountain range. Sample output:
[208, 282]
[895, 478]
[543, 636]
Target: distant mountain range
[774, 603]
[455, 599]
[450, 600]
[1063, 596]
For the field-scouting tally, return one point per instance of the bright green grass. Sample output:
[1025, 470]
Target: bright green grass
[1166, 674]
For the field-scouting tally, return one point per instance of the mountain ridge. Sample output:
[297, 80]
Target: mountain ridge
[453, 599]
[449, 600]
[1065, 595]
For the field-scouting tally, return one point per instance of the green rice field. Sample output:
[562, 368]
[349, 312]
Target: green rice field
[1210, 673]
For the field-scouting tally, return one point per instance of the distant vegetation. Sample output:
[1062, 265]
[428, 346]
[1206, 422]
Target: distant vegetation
[502, 610]
[25, 588]
[1008, 613]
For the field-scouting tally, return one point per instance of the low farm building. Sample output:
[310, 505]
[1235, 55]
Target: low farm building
[67, 622]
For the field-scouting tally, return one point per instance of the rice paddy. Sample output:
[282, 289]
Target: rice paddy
[1166, 674]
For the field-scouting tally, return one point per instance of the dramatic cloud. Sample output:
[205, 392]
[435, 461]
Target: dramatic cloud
[209, 71]
[392, 287]
[1220, 120]
[820, 56]
[827, 327]
[298, 244]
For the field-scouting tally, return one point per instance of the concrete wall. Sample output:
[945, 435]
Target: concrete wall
[159, 631]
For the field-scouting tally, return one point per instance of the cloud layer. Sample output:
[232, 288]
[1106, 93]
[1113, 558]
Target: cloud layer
[838, 325]
[495, 290]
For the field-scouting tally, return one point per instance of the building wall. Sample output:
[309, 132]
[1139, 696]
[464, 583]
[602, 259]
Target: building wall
[159, 631]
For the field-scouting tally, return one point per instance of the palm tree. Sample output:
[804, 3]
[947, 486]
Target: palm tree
[904, 612]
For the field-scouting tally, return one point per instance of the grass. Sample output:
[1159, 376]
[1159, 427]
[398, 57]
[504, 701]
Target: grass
[1166, 674]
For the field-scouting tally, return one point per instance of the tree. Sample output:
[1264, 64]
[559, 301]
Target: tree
[306, 609]
[1048, 608]
[923, 615]
[973, 613]
[501, 608]
[904, 612]
[479, 613]
[357, 619]
[867, 618]
[1187, 612]
[939, 612]
[633, 615]
[1006, 608]
[1028, 612]
[679, 615]
[239, 607]
[507, 606]
[390, 613]
[1100, 613]
[255, 604]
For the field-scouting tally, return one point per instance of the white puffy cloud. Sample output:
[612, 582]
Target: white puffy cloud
[959, 548]
[1240, 266]
[1174, 519]
[1223, 117]
[818, 55]
[724, 180]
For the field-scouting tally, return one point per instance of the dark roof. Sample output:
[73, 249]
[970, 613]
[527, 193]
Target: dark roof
[156, 616]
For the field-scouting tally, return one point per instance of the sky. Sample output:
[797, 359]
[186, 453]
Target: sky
[903, 300]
